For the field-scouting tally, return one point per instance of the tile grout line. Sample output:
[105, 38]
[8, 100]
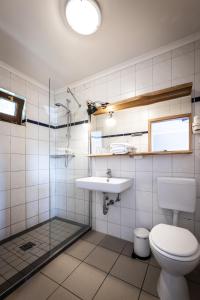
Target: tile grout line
[141, 289]
[81, 261]
[109, 273]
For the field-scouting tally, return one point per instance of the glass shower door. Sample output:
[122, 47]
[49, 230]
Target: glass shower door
[70, 209]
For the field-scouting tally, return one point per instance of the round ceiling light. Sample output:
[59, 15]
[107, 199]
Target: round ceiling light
[84, 16]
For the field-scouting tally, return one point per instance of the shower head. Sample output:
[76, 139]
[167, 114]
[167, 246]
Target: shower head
[62, 105]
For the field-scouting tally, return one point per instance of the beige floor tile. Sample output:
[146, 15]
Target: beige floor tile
[62, 294]
[113, 243]
[151, 280]
[115, 289]
[102, 258]
[153, 262]
[61, 267]
[146, 296]
[194, 290]
[130, 270]
[128, 249]
[39, 287]
[81, 249]
[94, 237]
[84, 281]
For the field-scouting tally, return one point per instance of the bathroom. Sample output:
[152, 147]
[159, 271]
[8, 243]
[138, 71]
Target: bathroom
[94, 203]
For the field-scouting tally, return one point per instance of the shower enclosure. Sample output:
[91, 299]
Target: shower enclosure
[67, 213]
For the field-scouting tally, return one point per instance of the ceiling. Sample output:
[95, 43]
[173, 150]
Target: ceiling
[35, 39]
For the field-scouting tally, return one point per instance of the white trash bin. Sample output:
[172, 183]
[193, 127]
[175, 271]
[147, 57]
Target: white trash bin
[141, 243]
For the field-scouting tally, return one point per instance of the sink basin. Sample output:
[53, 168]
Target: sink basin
[114, 185]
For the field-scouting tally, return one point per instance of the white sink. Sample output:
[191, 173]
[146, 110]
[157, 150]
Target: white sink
[114, 185]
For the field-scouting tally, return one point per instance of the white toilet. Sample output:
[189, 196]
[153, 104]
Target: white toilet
[176, 249]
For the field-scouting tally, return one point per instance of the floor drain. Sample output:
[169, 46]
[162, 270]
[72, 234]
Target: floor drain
[27, 246]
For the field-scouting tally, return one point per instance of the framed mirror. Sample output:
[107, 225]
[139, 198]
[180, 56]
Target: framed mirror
[134, 124]
[171, 133]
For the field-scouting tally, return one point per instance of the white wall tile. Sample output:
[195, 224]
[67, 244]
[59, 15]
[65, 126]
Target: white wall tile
[18, 227]
[32, 162]
[144, 181]
[4, 181]
[101, 226]
[18, 162]
[17, 214]
[5, 77]
[183, 163]
[183, 65]
[144, 219]
[43, 191]
[32, 193]
[144, 164]
[162, 72]
[127, 217]
[18, 179]
[32, 221]
[4, 218]
[5, 199]
[43, 148]
[32, 147]
[5, 146]
[43, 176]
[18, 145]
[32, 112]
[18, 196]
[5, 128]
[162, 163]
[32, 178]
[32, 209]
[4, 233]
[4, 162]
[114, 215]
[32, 131]
[18, 130]
[43, 162]
[114, 229]
[43, 205]
[144, 201]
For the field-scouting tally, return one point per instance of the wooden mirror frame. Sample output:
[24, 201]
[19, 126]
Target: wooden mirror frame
[150, 121]
[170, 93]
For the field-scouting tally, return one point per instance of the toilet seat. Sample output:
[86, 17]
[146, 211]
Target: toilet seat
[174, 242]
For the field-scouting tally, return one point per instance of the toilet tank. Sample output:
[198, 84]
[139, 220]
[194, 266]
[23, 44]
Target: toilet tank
[177, 193]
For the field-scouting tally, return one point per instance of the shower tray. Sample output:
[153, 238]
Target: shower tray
[25, 253]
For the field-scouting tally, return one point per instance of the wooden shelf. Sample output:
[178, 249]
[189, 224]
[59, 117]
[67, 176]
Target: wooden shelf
[174, 92]
[131, 154]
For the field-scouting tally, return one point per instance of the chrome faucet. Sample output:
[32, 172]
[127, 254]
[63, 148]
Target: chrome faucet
[109, 174]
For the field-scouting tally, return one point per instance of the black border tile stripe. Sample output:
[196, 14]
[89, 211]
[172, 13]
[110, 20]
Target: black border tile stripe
[71, 124]
[52, 126]
[194, 99]
[138, 133]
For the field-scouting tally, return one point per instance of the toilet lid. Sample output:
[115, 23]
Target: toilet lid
[174, 240]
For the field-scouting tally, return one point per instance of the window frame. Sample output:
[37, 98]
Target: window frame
[151, 121]
[17, 118]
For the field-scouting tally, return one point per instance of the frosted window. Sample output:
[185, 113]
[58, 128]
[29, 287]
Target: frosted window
[170, 135]
[7, 107]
